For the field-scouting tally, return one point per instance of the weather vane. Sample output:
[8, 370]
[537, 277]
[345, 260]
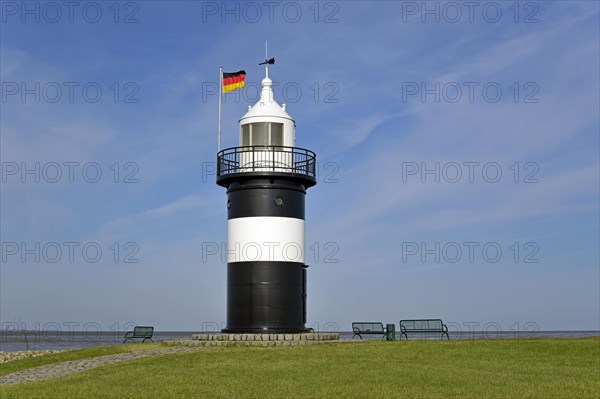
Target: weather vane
[267, 60]
[271, 62]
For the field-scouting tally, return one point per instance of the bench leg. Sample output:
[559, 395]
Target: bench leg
[359, 336]
[146, 339]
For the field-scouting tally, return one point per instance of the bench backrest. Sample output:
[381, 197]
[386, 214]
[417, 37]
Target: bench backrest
[369, 326]
[143, 331]
[421, 325]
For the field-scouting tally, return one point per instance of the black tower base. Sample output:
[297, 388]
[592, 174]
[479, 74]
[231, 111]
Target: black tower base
[266, 297]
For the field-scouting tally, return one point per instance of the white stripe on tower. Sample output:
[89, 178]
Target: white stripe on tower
[265, 239]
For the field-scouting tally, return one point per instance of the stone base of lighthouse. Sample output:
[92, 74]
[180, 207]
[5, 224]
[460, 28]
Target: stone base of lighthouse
[249, 339]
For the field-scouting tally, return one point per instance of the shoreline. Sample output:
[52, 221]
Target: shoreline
[16, 344]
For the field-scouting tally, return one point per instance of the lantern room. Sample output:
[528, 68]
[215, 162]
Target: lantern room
[267, 123]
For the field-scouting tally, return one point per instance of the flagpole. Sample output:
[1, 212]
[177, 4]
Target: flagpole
[220, 101]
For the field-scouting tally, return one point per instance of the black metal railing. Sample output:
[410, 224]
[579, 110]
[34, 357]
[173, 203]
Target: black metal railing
[275, 159]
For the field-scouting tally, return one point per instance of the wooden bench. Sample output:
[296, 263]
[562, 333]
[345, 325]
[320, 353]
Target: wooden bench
[423, 326]
[361, 328]
[139, 332]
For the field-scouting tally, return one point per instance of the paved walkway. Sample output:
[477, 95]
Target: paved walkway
[74, 366]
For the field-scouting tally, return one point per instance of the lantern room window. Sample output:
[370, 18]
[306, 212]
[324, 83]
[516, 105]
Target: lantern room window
[245, 141]
[276, 134]
[262, 133]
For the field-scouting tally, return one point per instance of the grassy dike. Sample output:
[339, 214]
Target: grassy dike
[510, 368]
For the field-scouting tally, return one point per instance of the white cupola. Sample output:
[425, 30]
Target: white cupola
[267, 123]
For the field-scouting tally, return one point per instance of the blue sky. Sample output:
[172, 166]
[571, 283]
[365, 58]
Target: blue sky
[382, 91]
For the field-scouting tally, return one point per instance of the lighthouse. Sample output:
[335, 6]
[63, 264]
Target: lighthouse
[266, 178]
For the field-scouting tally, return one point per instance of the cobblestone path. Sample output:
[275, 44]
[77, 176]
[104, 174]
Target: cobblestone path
[74, 366]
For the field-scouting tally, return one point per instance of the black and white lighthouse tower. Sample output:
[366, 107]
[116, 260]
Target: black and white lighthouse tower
[266, 178]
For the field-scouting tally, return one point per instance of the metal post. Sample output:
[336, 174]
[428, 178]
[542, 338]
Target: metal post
[220, 101]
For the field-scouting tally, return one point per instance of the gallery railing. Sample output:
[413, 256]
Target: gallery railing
[265, 159]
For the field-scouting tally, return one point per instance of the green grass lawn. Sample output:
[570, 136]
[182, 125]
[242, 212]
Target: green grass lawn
[511, 368]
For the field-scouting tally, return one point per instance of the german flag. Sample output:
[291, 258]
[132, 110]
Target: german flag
[233, 81]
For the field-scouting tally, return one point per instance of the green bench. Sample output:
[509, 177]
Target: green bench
[361, 328]
[139, 332]
[423, 326]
